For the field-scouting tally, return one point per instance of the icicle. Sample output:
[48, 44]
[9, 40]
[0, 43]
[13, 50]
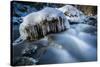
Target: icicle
[52, 24]
[62, 23]
[48, 27]
[39, 31]
[43, 30]
[58, 25]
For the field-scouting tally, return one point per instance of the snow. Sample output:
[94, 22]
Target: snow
[47, 19]
[72, 13]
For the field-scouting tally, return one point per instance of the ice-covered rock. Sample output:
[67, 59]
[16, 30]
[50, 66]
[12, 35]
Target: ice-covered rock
[38, 24]
[72, 14]
[91, 20]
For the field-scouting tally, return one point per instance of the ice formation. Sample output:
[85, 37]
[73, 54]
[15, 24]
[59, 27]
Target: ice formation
[39, 24]
[72, 13]
[91, 20]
